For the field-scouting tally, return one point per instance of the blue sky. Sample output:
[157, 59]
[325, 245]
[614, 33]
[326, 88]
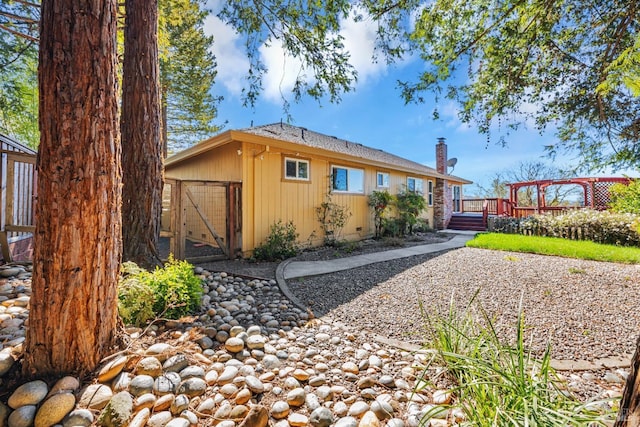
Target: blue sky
[374, 113]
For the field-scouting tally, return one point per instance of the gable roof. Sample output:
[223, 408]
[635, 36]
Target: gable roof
[302, 136]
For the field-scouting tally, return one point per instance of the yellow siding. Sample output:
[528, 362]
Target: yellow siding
[273, 199]
[220, 164]
[268, 198]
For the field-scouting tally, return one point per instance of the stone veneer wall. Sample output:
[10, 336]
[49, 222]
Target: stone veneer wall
[443, 203]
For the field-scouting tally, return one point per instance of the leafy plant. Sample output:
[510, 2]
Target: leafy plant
[379, 201]
[498, 384]
[409, 204]
[170, 292]
[625, 198]
[280, 244]
[393, 227]
[332, 218]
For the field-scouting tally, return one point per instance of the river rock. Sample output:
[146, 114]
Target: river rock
[118, 411]
[112, 369]
[78, 418]
[23, 416]
[30, 393]
[54, 409]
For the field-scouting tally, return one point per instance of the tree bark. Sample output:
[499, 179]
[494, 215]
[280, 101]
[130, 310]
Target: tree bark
[629, 414]
[140, 129]
[73, 311]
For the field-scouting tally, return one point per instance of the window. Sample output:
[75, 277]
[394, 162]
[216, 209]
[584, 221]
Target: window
[457, 196]
[382, 180]
[347, 179]
[414, 185]
[429, 193]
[296, 169]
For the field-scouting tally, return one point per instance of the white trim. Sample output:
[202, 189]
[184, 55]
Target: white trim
[297, 162]
[416, 180]
[349, 170]
[384, 175]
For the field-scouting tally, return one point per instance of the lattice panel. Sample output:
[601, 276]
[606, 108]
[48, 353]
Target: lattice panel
[601, 194]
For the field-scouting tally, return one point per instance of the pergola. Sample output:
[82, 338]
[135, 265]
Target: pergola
[595, 190]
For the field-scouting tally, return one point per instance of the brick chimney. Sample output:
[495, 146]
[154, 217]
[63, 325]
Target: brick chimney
[442, 208]
[441, 156]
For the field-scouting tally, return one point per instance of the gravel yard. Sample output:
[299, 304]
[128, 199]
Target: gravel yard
[587, 309]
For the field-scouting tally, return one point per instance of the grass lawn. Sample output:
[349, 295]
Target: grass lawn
[558, 247]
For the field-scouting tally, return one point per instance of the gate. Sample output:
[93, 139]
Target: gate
[202, 212]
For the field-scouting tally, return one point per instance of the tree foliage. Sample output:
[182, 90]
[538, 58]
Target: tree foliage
[625, 198]
[187, 73]
[538, 61]
[18, 68]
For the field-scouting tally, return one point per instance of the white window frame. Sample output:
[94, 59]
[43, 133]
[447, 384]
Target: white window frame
[385, 179]
[415, 185]
[430, 192]
[349, 176]
[297, 162]
[456, 202]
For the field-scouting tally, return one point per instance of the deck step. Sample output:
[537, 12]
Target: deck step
[466, 222]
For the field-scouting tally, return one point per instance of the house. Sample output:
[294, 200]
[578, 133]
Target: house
[242, 181]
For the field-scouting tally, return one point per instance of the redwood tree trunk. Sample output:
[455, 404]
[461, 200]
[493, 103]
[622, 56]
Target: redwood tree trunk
[77, 239]
[140, 129]
[629, 414]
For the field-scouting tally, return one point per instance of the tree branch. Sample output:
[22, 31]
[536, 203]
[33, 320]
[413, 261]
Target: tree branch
[26, 3]
[19, 18]
[19, 34]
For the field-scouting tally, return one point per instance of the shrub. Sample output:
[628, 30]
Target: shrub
[409, 204]
[585, 224]
[625, 198]
[422, 225]
[332, 217]
[280, 244]
[170, 292]
[393, 227]
[379, 201]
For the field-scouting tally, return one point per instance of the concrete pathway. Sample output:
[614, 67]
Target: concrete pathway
[293, 269]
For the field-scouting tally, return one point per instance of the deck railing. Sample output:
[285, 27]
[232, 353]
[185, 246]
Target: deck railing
[493, 206]
[503, 207]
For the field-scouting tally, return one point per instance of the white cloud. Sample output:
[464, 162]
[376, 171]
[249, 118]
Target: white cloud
[359, 41]
[450, 114]
[229, 51]
[283, 69]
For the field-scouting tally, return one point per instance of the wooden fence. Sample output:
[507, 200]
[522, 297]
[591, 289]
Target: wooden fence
[17, 222]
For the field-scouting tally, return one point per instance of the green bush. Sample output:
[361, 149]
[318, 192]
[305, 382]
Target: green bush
[379, 201]
[625, 198]
[585, 224]
[393, 227]
[409, 205]
[598, 226]
[280, 244]
[170, 292]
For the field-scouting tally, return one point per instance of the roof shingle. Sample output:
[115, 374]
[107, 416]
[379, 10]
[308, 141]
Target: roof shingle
[303, 136]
